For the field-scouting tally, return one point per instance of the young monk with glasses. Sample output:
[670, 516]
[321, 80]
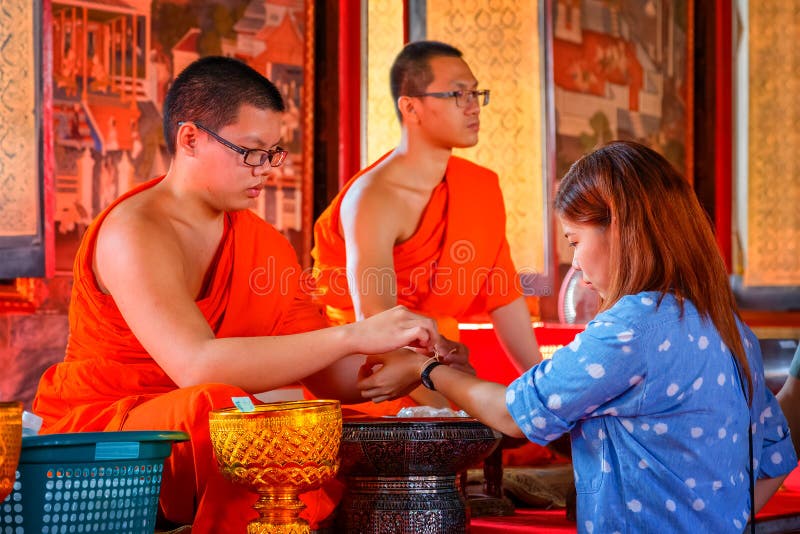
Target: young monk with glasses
[422, 227]
[183, 299]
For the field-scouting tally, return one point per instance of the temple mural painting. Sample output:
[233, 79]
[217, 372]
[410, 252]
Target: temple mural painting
[112, 65]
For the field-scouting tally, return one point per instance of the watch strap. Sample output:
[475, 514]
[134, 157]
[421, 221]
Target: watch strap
[425, 375]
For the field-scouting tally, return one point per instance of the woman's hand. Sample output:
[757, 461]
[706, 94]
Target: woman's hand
[391, 375]
[388, 376]
[393, 329]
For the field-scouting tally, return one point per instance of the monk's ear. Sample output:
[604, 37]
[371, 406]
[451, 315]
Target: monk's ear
[186, 138]
[406, 106]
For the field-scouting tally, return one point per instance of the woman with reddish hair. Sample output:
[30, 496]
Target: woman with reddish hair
[663, 394]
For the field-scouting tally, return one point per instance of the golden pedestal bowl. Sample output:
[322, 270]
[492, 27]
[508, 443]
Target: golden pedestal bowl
[10, 444]
[279, 450]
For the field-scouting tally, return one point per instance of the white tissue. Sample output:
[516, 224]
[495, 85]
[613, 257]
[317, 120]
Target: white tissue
[430, 411]
[31, 423]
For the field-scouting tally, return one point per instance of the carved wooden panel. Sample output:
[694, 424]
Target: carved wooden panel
[19, 150]
[773, 200]
[24, 138]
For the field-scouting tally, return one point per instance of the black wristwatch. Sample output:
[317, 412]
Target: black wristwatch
[425, 376]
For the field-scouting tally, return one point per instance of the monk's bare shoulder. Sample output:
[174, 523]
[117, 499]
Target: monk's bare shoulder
[372, 199]
[135, 239]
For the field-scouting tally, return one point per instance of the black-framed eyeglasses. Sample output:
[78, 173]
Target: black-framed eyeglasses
[463, 97]
[254, 157]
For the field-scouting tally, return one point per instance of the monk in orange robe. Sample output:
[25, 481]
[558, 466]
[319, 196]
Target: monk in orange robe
[183, 299]
[424, 228]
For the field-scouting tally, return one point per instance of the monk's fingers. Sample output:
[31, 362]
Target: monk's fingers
[416, 346]
[365, 371]
[423, 329]
[456, 358]
[433, 332]
[422, 336]
[368, 372]
[369, 378]
[452, 351]
[375, 392]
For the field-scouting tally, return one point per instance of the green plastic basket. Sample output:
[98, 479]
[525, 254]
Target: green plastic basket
[92, 482]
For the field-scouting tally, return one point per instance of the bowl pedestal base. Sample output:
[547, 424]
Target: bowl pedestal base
[278, 514]
[411, 504]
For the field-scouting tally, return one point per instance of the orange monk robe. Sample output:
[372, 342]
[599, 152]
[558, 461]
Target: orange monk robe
[456, 264]
[107, 382]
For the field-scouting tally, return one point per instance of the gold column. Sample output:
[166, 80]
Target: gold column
[773, 185]
[384, 42]
[501, 43]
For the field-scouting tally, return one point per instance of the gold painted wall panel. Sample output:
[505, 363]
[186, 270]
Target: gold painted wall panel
[501, 43]
[773, 237]
[384, 42]
[18, 140]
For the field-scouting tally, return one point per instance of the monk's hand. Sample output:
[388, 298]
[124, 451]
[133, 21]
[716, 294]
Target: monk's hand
[394, 328]
[390, 375]
[454, 354]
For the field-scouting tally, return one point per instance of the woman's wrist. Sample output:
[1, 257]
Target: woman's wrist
[425, 372]
[427, 361]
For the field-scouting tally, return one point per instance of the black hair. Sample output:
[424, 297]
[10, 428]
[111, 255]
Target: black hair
[411, 71]
[211, 91]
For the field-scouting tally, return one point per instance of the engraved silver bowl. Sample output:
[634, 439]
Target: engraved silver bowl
[401, 474]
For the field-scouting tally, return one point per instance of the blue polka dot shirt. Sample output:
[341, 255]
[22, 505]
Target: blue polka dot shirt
[658, 420]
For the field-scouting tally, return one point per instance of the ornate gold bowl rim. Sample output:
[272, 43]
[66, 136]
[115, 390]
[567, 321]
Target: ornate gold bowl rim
[278, 410]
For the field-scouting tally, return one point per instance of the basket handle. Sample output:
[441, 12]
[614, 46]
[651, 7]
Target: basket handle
[120, 450]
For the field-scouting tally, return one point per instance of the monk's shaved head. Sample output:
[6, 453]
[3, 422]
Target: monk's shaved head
[211, 91]
[411, 72]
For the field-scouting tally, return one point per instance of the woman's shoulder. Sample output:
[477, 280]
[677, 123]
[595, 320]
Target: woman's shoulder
[641, 309]
[642, 317]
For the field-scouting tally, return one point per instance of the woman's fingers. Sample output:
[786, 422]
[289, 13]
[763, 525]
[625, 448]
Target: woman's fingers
[388, 376]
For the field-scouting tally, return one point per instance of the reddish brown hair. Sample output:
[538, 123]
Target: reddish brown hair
[663, 239]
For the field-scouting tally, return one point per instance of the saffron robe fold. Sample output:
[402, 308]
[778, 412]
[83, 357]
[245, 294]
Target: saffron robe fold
[107, 382]
[455, 265]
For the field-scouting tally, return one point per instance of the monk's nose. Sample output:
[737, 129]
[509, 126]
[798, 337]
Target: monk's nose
[575, 264]
[263, 170]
